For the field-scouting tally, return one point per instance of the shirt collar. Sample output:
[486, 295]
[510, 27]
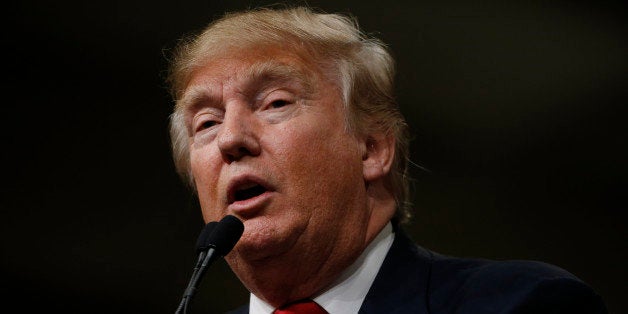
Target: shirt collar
[348, 292]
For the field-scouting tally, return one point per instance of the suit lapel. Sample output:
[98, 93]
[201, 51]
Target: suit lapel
[401, 286]
[241, 310]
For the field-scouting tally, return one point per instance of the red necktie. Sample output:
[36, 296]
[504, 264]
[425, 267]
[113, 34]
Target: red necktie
[301, 307]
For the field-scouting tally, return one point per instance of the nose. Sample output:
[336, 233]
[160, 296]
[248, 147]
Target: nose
[237, 137]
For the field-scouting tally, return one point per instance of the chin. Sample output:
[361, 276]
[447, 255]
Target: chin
[263, 239]
[258, 250]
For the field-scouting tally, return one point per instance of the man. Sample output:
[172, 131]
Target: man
[286, 119]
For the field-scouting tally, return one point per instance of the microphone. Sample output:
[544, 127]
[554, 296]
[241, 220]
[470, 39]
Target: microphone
[201, 241]
[202, 246]
[218, 239]
[226, 234]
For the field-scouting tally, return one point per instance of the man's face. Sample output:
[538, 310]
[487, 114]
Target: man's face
[269, 144]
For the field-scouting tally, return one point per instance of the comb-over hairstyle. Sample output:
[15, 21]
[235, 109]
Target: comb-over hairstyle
[361, 66]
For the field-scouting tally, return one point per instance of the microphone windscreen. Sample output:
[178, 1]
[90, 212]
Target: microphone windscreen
[226, 234]
[201, 242]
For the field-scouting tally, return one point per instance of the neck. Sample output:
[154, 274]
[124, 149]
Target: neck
[304, 271]
[296, 274]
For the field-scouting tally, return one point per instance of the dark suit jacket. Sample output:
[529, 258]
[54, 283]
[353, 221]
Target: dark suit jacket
[416, 280]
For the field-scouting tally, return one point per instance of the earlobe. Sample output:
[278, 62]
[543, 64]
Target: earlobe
[379, 152]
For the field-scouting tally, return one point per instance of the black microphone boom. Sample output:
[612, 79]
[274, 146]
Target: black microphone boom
[218, 242]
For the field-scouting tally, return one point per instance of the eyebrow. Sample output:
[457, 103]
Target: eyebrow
[255, 78]
[265, 73]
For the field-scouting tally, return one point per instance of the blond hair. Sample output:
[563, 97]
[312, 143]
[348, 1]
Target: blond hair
[362, 67]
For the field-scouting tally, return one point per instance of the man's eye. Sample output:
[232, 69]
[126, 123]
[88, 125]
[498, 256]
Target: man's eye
[207, 124]
[279, 103]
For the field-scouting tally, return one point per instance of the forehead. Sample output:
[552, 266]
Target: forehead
[252, 67]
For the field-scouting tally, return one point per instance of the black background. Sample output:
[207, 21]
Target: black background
[518, 111]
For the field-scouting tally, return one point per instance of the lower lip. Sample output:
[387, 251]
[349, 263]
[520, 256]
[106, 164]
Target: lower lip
[250, 206]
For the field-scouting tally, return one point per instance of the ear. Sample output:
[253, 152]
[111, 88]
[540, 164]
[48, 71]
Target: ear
[379, 152]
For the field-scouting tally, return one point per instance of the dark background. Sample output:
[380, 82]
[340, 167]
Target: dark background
[518, 111]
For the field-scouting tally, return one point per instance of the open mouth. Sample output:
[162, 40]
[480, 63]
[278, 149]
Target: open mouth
[246, 193]
[243, 191]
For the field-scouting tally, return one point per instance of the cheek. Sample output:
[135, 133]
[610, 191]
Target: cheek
[199, 166]
[206, 182]
[322, 162]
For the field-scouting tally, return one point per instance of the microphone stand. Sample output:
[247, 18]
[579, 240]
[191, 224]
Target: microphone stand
[201, 266]
[213, 242]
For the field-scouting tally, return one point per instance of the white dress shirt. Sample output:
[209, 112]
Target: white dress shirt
[346, 295]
